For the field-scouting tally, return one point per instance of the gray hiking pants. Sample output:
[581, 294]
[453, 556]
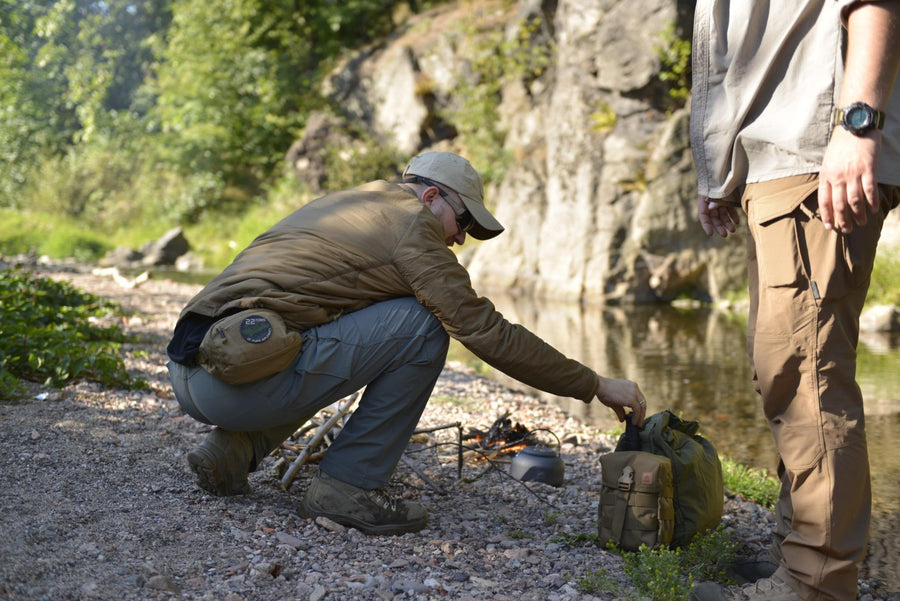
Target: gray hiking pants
[395, 348]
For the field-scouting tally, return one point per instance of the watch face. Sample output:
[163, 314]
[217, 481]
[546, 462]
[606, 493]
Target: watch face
[858, 118]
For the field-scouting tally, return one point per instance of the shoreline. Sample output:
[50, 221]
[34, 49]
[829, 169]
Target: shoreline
[100, 502]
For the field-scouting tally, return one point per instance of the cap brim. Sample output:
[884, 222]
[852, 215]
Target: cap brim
[485, 226]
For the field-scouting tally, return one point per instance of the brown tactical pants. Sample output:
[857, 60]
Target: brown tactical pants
[807, 289]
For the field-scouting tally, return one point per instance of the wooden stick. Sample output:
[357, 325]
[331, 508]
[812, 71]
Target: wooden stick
[341, 410]
[436, 428]
[422, 475]
[459, 451]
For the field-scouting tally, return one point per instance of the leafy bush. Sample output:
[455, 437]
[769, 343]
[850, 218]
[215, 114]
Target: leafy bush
[664, 574]
[48, 234]
[674, 54]
[51, 334]
[351, 166]
[81, 184]
[658, 574]
[751, 483]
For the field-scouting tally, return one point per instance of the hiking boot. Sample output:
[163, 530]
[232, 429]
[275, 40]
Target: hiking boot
[766, 589]
[222, 462]
[370, 511]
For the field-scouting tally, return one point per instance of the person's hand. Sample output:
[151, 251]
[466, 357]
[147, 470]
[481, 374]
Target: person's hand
[848, 185]
[619, 395]
[716, 218]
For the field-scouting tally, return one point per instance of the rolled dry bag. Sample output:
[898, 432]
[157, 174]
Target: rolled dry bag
[699, 492]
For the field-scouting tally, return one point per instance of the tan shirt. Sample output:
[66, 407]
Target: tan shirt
[348, 250]
[766, 78]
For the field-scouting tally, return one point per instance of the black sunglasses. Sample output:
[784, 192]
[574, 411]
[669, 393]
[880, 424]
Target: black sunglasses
[465, 221]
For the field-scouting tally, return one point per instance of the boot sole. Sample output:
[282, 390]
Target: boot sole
[210, 478]
[311, 511]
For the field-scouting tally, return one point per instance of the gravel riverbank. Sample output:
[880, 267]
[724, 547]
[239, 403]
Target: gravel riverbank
[99, 503]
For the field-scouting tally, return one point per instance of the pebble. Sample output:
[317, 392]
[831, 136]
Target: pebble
[317, 593]
[288, 539]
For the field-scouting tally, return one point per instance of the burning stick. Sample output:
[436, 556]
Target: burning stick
[503, 437]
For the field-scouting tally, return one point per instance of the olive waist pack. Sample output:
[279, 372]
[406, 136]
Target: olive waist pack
[248, 346]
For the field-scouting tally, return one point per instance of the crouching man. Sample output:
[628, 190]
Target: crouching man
[366, 285]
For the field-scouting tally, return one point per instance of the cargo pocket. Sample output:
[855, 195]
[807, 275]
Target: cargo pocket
[775, 231]
[800, 448]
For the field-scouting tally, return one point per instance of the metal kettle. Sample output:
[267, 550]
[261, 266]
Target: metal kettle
[538, 464]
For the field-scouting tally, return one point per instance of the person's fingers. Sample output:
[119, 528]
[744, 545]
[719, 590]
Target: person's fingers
[733, 218]
[856, 203]
[873, 197]
[641, 411]
[703, 215]
[825, 206]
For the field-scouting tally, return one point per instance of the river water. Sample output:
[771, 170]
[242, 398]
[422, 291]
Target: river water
[694, 362]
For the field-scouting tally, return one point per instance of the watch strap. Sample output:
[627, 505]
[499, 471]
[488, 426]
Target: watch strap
[878, 116]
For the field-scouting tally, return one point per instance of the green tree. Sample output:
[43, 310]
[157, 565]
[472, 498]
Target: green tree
[236, 78]
[33, 117]
[187, 102]
[225, 99]
[70, 70]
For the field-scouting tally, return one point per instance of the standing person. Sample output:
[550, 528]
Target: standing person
[367, 277]
[793, 119]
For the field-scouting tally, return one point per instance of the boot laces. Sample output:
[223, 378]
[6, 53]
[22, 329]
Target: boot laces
[383, 499]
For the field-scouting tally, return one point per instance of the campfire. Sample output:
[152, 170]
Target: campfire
[504, 438]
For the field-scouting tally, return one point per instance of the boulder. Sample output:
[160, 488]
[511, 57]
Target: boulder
[306, 156]
[166, 249]
[880, 318]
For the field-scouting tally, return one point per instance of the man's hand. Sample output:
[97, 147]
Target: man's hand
[847, 179]
[848, 186]
[721, 219]
[619, 395]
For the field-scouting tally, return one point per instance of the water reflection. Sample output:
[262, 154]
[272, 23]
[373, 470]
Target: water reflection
[694, 362]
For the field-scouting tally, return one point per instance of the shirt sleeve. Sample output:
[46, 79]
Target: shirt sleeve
[443, 286]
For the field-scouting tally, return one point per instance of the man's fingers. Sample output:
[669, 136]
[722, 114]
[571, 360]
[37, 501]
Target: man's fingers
[726, 219]
[825, 207]
[856, 202]
[716, 218]
[873, 197]
[733, 217]
[703, 215]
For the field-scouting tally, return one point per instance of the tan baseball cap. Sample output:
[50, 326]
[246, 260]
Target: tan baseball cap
[456, 173]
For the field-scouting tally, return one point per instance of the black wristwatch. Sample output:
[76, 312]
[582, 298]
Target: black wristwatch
[858, 118]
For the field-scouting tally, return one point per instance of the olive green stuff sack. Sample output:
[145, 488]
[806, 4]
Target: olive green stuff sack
[248, 346]
[637, 504]
[699, 491]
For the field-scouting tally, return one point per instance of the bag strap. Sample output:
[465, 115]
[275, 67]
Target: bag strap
[626, 485]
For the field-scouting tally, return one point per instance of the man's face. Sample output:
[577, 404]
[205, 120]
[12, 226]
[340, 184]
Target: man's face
[441, 209]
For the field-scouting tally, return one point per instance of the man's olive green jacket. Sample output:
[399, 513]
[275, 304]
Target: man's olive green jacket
[350, 249]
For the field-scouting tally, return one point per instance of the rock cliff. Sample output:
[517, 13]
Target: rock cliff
[599, 195]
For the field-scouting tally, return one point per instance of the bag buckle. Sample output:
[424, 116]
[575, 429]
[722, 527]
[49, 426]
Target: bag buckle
[626, 480]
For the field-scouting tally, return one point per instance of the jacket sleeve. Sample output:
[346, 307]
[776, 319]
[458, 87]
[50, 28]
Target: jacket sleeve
[443, 286]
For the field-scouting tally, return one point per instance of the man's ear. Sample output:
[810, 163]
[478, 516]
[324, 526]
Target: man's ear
[429, 195]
